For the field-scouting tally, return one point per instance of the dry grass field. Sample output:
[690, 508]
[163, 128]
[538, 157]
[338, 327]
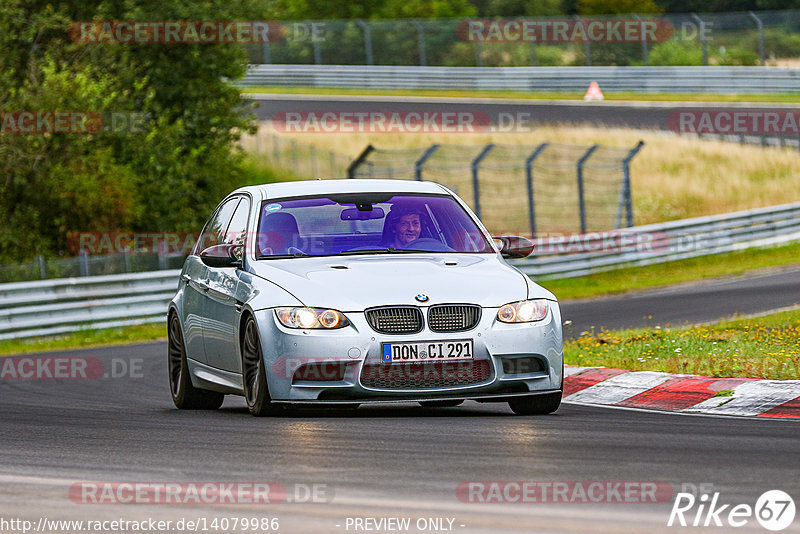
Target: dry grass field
[672, 177]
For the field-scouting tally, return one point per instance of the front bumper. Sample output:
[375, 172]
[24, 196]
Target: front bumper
[342, 357]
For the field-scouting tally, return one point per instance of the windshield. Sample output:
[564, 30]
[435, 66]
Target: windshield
[366, 223]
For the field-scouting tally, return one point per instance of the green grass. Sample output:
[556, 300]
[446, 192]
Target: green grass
[86, 338]
[764, 347]
[659, 97]
[676, 272]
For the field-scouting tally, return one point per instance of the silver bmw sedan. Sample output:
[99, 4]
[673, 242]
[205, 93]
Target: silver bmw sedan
[344, 292]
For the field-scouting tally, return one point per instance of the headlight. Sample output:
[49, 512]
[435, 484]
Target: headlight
[307, 318]
[524, 311]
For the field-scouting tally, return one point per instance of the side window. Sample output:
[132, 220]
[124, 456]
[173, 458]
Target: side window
[237, 229]
[216, 226]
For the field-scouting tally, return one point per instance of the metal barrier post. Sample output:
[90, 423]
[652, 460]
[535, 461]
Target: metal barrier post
[626, 196]
[84, 262]
[295, 156]
[529, 179]
[423, 57]
[645, 51]
[478, 54]
[353, 167]
[760, 38]
[42, 267]
[265, 53]
[367, 41]
[702, 36]
[475, 181]
[587, 44]
[421, 161]
[315, 43]
[581, 198]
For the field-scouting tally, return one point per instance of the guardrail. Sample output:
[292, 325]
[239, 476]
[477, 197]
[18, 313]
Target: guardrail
[718, 80]
[49, 307]
[663, 242]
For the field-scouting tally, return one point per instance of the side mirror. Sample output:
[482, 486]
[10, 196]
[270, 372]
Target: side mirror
[515, 246]
[223, 256]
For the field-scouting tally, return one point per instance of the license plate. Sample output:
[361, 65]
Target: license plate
[427, 351]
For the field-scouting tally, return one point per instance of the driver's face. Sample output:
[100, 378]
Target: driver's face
[407, 228]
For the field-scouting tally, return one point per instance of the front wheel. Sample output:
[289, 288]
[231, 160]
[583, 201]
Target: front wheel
[184, 394]
[254, 378]
[536, 404]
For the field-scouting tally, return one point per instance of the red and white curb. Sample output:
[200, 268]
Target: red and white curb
[682, 393]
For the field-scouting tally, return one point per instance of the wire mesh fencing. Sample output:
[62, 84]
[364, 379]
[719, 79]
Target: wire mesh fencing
[731, 39]
[528, 190]
[302, 160]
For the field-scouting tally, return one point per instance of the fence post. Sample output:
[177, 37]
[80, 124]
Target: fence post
[702, 37]
[534, 57]
[367, 41]
[421, 161]
[332, 161]
[42, 267]
[478, 54]
[423, 57]
[83, 258]
[475, 181]
[529, 179]
[626, 196]
[295, 155]
[353, 167]
[315, 43]
[645, 51]
[265, 53]
[587, 45]
[162, 256]
[276, 151]
[581, 197]
[312, 153]
[760, 38]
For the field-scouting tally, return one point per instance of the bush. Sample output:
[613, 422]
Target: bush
[676, 53]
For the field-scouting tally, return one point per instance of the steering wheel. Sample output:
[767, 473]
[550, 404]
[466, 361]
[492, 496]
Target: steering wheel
[295, 250]
[429, 244]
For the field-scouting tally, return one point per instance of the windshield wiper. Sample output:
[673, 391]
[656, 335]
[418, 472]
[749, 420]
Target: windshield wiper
[389, 250]
[284, 256]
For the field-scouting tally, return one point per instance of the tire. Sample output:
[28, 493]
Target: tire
[254, 378]
[440, 403]
[184, 395]
[536, 404]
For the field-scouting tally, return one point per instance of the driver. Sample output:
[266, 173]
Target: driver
[404, 226]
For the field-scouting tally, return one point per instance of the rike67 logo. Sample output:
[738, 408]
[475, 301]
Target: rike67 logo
[774, 510]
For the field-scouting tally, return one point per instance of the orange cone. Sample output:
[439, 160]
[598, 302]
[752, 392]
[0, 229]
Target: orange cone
[594, 92]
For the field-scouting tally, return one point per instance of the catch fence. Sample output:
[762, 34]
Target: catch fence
[522, 189]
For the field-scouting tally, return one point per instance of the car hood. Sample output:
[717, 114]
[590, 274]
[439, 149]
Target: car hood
[353, 283]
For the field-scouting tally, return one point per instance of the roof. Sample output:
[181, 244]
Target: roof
[326, 187]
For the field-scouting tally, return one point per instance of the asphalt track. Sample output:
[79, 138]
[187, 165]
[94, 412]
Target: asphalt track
[400, 461]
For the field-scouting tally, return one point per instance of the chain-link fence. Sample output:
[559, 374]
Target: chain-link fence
[302, 160]
[41, 268]
[527, 190]
[741, 38]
